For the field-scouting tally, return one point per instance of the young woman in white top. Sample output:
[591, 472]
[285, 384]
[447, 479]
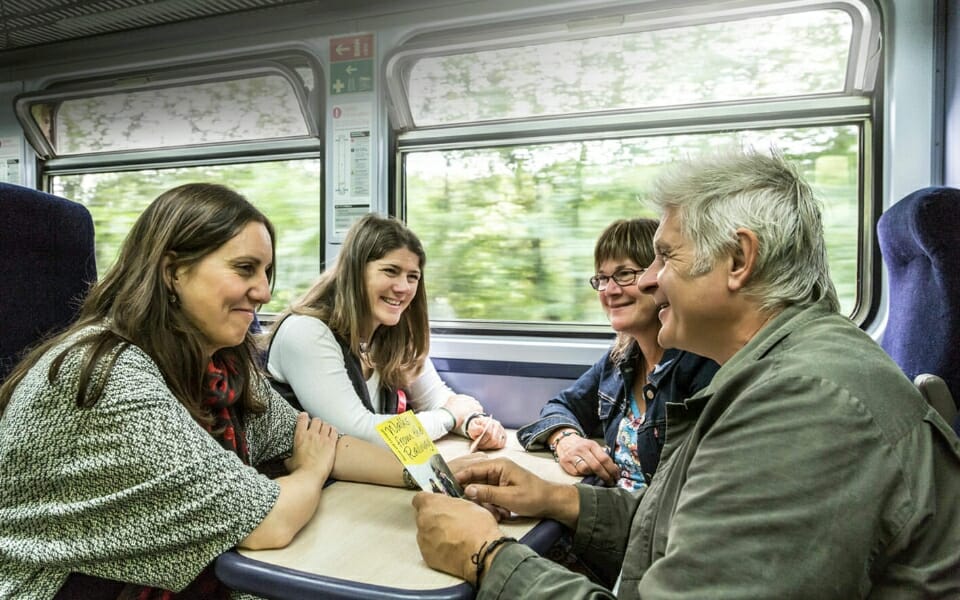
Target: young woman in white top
[353, 350]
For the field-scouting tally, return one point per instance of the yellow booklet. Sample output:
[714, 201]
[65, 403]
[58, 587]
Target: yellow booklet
[408, 439]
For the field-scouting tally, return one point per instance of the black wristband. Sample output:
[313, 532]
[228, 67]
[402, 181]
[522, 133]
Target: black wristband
[466, 423]
[480, 557]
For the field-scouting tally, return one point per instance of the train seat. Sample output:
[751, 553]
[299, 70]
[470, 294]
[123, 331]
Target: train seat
[47, 263]
[920, 242]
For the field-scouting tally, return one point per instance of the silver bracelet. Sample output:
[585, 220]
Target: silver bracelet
[453, 419]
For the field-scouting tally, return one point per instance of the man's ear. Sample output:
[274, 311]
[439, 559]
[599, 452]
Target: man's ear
[744, 259]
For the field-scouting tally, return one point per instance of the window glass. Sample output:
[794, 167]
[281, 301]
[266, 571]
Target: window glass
[509, 231]
[782, 55]
[263, 107]
[288, 193]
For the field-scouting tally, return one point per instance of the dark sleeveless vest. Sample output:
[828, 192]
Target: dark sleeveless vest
[351, 363]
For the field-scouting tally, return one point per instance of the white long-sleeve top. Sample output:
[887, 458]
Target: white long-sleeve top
[306, 356]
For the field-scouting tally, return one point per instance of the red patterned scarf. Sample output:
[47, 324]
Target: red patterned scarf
[223, 389]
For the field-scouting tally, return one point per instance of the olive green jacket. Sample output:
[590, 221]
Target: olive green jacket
[810, 467]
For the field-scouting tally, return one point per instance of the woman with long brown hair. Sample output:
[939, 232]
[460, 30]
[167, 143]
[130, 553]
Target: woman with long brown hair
[128, 442]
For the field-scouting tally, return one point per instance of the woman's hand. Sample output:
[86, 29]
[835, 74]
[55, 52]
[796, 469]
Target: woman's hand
[314, 446]
[583, 457]
[462, 406]
[487, 434]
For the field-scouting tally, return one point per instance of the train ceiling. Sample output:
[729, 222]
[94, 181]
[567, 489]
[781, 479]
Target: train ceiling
[28, 23]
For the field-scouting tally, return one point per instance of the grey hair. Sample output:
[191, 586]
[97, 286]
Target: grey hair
[714, 195]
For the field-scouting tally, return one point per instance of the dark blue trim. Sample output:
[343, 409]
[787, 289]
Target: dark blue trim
[502, 367]
[281, 583]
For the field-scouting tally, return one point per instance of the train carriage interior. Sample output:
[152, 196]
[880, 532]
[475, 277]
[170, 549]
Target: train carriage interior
[509, 135]
[506, 133]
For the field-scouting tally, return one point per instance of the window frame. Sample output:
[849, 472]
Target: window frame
[858, 104]
[179, 75]
[283, 62]
[862, 65]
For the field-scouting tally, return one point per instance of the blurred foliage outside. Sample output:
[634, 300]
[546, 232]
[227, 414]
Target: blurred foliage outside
[509, 231]
[287, 192]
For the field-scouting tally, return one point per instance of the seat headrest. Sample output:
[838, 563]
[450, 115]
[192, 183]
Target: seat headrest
[925, 222]
[919, 238]
[47, 263]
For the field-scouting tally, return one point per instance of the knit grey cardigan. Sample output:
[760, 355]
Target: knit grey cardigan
[132, 489]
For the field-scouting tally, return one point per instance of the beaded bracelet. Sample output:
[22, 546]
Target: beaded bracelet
[553, 446]
[479, 558]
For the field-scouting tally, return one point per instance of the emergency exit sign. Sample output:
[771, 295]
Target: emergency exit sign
[351, 64]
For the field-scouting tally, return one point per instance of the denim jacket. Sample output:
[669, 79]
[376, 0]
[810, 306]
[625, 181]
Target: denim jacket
[595, 404]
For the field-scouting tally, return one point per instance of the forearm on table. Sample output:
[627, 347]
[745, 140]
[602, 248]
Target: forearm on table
[296, 504]
[361, 461]
[437, 422]
[564, 506]
[513, 570]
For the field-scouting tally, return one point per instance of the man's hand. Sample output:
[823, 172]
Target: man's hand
[450, 531]
[505, 484]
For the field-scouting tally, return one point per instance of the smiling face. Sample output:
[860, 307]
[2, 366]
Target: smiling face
[692, 310]
[220, 294]
[391, 284]
[628, 309]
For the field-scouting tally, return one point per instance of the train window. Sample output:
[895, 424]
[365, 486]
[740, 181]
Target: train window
[787, 55]
[515, 150]
[172, 108]
[287, 191]
[535, 211]
[117, 142]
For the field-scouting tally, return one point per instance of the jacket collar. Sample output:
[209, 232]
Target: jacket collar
[779, 328]
[661, 370]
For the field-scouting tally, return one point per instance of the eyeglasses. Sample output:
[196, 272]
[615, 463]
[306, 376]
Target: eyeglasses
[622, 278]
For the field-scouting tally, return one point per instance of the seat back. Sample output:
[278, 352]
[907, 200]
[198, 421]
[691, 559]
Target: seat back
[47, 263]
[920, 242]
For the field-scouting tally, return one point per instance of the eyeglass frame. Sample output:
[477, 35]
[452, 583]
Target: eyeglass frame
[600, 282]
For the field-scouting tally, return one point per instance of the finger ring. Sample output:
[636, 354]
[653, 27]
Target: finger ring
[578, 461]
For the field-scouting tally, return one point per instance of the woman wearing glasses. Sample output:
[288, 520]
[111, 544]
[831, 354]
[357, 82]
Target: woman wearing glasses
[621, 398]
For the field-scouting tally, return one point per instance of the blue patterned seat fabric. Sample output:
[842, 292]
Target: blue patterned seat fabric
[47, 263]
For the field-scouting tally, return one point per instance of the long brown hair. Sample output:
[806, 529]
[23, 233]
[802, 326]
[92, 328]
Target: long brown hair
[339, 299]
[132, 301]
[625, 238]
